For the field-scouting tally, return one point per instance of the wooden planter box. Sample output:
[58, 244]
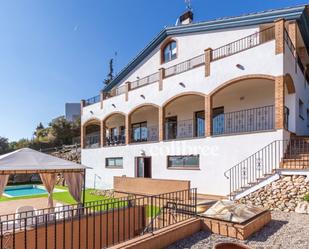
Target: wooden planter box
[234, 230]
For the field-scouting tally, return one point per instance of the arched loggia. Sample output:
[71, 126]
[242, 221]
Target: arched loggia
[114, 129]
[91, 134]
[143, 123]
[184, 116]
[245, 104]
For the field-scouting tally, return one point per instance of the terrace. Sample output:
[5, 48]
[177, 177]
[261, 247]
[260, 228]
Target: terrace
[227, 50]
[216, 116]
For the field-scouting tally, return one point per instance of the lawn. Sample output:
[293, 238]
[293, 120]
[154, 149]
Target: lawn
[65, 197]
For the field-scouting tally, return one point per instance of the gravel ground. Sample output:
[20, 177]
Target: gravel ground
[286, 230]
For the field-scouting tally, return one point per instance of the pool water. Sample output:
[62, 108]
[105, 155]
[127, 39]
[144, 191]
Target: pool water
[24, 190]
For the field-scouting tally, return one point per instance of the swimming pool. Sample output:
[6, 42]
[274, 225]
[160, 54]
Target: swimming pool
[26, 190]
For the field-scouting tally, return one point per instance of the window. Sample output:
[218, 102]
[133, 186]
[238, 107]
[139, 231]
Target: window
[169, 52]
[183, 162]
[200, 124]
[114, 162]
[307, 117]
[301, 109]
[139, 132]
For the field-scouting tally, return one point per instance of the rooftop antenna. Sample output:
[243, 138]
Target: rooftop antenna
[187, 14]
[188, 4]
[115, 62]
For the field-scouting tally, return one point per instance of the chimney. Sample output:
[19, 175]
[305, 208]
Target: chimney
[186, 18]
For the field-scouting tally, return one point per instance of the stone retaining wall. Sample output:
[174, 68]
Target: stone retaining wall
[283, 194]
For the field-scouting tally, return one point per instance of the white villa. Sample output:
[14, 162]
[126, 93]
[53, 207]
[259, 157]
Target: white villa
[211, 102]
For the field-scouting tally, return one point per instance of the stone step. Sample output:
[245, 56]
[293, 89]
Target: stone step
[252, 184]
[295, 167]
[298, 155]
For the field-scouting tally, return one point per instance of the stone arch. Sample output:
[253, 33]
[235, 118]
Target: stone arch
[182, 95]
[251, 96]
[241, 78]
[91, 133]
[112, 114]
[91, 121]
[141, 106]
[289, 84]
[113, 129]
[143, 122]
[182, 114]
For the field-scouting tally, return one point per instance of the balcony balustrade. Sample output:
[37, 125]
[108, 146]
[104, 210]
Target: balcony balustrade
[145, 134]
[92, 100]
[92, 140]
[243, 121]
[144, 81]
[184, 129]
[249, 120]
[115, 140]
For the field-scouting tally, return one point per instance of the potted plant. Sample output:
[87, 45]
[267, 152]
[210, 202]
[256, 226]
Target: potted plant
[231, 245]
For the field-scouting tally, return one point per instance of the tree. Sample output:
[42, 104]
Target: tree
[64, 131]
[110, 75]
[4, 145]
[21, 143]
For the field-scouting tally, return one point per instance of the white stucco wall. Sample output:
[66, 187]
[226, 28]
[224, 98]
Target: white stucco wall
[217, 154]
[194, 81]
[226, 151]
[297, 125]
[189, 46]
[246, 95]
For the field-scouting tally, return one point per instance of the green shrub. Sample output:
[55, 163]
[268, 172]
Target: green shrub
[306, 197]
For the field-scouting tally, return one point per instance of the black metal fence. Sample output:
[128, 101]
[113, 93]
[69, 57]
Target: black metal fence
[185, 66]
[184, 129]
[93, 140]
[297, 154]
[229, 49]
[98, 224]
[93, 100]
[249, 120]
[293, 50]
[284, 154]
[115, 140]
[256, 167]
[144, 81]
[245, 43]
[149, 133]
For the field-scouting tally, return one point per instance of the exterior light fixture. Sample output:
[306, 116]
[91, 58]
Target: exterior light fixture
[113, 105]
[91, 112]
[182, 84]
[241, 67]
[142, 153]
[142, 96]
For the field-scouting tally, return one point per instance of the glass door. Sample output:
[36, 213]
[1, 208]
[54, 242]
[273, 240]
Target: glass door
[218, 120]
[140, 167]
[171, 128]
[200, 124]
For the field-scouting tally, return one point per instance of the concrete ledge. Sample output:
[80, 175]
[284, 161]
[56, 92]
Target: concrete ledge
[149, 186]
[164, 237]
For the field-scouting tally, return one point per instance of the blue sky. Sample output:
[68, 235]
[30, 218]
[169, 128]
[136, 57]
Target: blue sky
[57, 51]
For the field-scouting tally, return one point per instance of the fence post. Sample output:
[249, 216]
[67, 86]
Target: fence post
[151, 213]
[279, 35]
[161, 77]
[208, 59]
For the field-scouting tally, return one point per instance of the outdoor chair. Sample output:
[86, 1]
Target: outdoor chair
[25, 215]
[63, 211]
